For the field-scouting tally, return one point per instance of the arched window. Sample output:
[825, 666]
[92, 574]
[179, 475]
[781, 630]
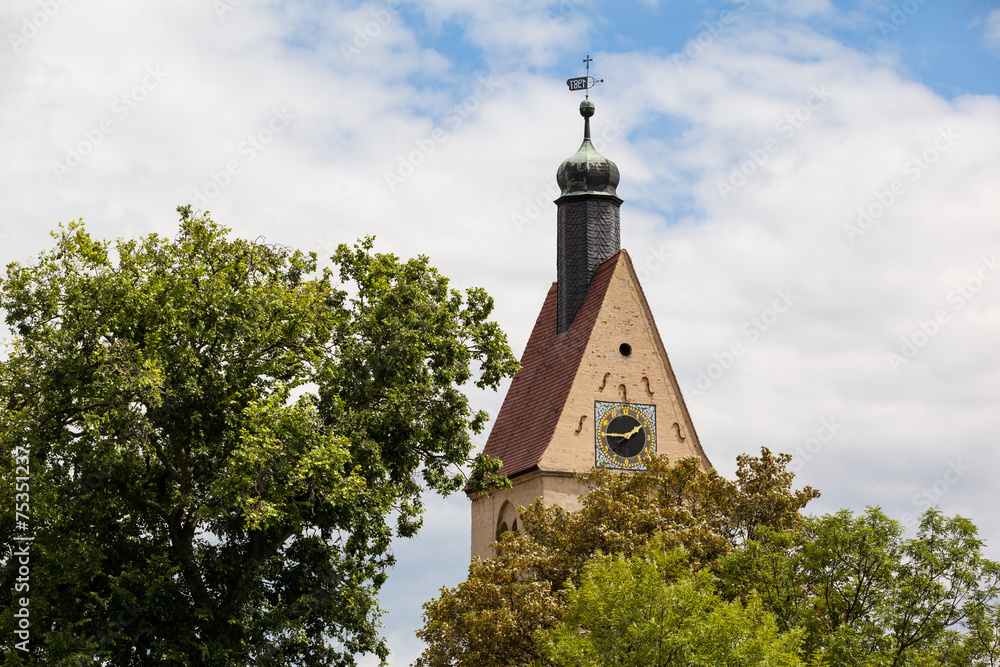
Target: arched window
[506, 519]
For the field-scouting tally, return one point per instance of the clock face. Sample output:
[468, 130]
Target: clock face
[625, 434]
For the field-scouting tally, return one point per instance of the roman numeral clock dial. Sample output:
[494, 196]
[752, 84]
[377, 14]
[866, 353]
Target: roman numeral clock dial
[625, 435]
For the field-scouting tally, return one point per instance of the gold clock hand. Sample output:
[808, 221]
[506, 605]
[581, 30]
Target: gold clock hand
[626, 435]
[634, 431]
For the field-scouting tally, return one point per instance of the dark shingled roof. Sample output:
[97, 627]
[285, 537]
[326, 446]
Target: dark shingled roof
[538, 392]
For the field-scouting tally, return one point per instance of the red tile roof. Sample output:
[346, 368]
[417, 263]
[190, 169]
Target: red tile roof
[537, 394]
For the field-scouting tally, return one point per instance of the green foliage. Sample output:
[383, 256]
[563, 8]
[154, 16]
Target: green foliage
[219, 434]
[867, 596]
[490, 619]
[678, 566]
[650, 609]
[982, 644]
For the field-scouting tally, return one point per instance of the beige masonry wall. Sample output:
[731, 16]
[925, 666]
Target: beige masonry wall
[553, 487]
[605, 374]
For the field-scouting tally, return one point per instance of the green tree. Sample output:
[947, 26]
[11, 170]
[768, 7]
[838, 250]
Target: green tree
[490, 619]
[651, 610]
[219, 436]
[982, 646]
[843, 590]
[867, 596]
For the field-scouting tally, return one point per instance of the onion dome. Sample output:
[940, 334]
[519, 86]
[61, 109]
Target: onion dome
[587, 172]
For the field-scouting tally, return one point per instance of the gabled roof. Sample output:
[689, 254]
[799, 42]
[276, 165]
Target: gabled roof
[530, 412]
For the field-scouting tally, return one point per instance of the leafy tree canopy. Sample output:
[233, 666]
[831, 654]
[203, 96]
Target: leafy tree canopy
[220, 437]
[651, 610]
[867, 596]
[656, 564]
[491, 619]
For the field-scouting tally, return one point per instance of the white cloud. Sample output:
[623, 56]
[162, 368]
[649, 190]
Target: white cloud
[785, 227]
[800, 8]
[991, 31]
[520, 33]
[478, 202]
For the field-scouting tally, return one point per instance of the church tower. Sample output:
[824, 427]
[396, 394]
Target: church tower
[595, 386]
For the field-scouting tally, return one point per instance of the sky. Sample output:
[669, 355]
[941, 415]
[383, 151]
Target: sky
[814, 184]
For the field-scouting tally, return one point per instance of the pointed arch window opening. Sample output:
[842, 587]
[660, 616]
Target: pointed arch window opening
[507, 520]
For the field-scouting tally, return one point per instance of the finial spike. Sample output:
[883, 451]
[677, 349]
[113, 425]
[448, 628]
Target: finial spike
[584, 83]
[587, 109]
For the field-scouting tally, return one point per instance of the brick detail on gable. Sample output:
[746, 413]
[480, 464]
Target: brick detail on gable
[555, 366]
[536, 396]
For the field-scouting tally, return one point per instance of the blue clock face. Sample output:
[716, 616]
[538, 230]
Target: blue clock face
[625, 434]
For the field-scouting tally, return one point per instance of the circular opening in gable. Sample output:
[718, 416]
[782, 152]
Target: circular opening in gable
[625, 349]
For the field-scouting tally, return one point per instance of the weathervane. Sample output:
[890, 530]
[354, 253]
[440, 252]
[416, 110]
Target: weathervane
[584, 83]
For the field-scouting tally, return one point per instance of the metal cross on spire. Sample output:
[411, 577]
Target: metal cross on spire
[584, 83]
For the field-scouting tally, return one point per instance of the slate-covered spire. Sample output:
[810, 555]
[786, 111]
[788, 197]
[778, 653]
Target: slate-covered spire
[587, 221]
